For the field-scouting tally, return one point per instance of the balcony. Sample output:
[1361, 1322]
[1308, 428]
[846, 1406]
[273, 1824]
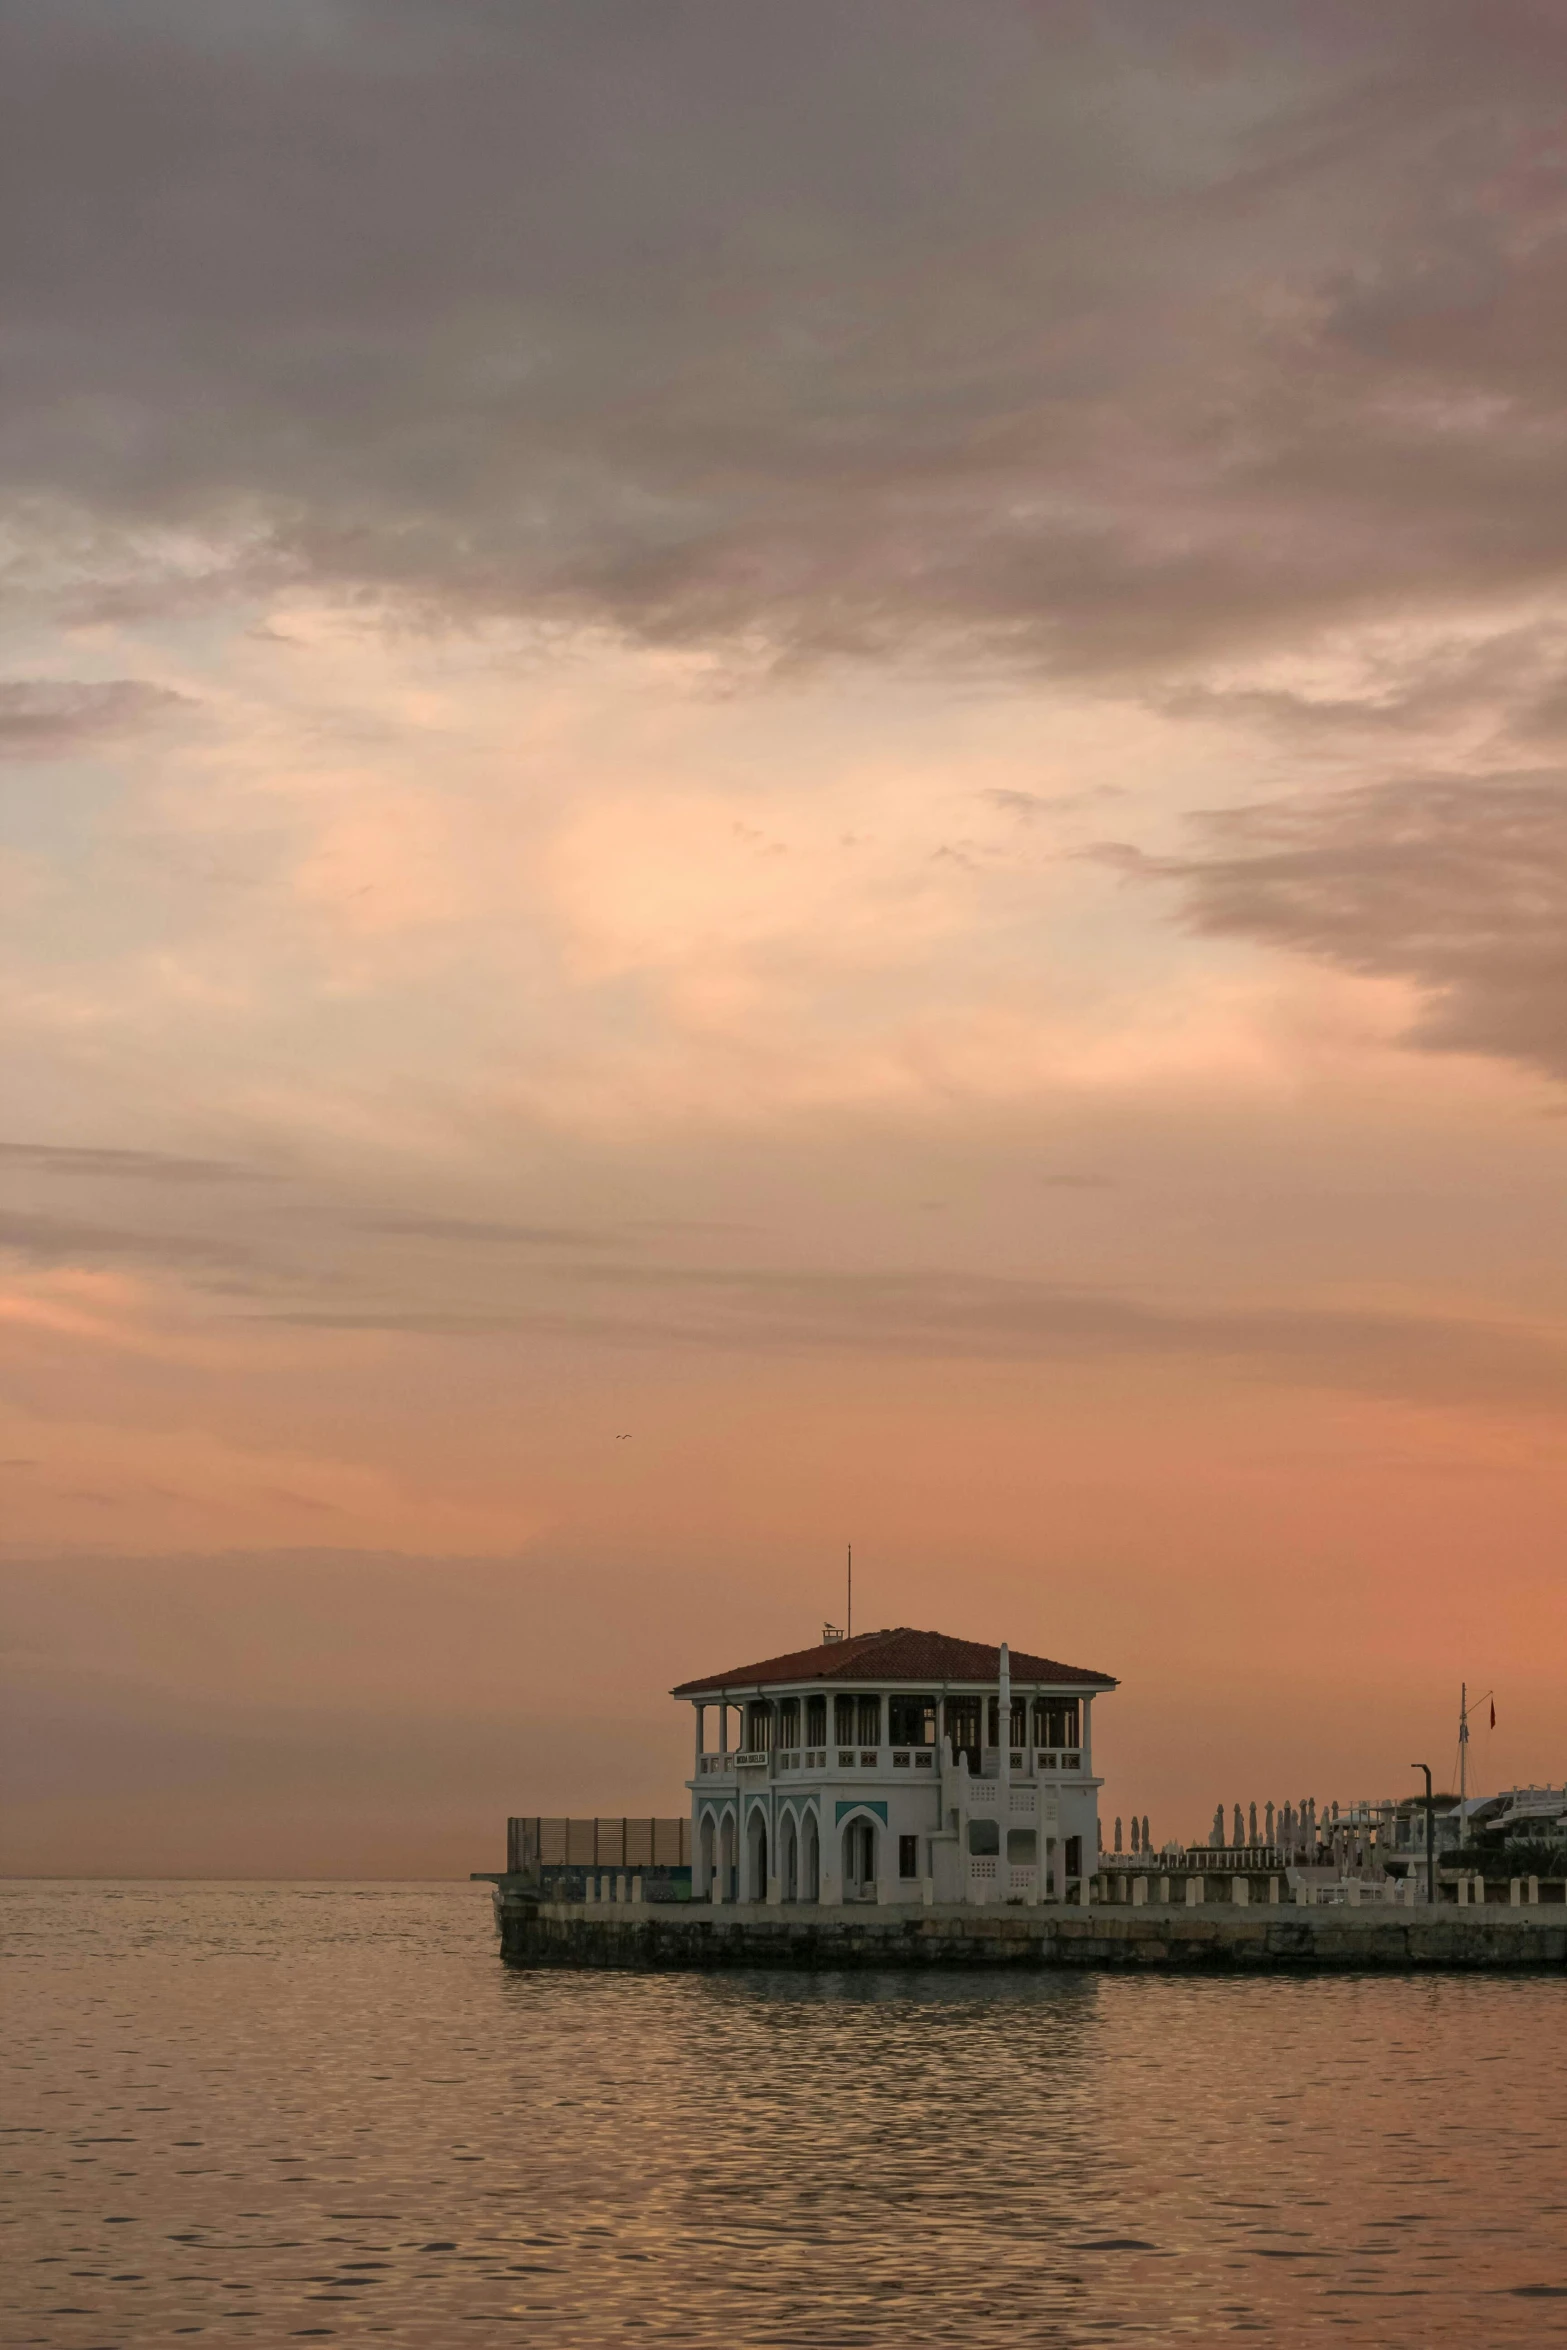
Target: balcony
[1043, 1763]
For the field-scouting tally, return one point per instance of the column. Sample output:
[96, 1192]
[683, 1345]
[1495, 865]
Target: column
[1004, 1770]
[700, 1712]
[830, 1852]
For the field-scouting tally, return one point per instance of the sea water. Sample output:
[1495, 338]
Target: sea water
[319, 2113]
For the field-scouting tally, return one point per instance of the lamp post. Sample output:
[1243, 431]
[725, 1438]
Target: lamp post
[1430, 1834]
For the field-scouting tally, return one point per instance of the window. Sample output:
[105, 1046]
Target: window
[911, 1721]
[908, 1856]
[843, 1720]
[984, 1838]
[789, 1723]
[869, 1731]
[816, 1721]
[1017, 1729]
[1021, 1847]
[759, 1726]
[962, 1717]
[1074, 1856]
[1056, 1722]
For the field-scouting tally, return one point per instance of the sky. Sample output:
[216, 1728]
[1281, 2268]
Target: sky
[772, 777]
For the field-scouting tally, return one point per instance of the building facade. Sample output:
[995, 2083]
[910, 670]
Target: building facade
[897, 1766]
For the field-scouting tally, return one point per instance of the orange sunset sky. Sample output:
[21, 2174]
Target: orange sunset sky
[772, 777]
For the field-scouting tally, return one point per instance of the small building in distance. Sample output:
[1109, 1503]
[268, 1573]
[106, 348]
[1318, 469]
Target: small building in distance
[896, 1766]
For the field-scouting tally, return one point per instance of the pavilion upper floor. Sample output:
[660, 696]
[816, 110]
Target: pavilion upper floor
[899, 1731]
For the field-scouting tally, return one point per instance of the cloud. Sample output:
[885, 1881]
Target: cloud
[1456, 885]
[1029, 804]
[1430, 1357]
[45, 718]
[469, 1232]
[55, 1158]
[60, 1240]
[1070, 338]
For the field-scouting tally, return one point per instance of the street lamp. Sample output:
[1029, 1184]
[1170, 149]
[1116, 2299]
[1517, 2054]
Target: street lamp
[1430, 1834]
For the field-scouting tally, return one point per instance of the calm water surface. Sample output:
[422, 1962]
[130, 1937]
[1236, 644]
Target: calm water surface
[264, 2114]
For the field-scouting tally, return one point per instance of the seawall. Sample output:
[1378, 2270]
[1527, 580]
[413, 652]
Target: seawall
[1212, 1940]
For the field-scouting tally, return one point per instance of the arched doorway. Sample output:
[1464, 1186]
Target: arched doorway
[789, 1857]
[726, 1858]
[756, 1856]
[705, 1857]
[810, 1861]
[859, 1860]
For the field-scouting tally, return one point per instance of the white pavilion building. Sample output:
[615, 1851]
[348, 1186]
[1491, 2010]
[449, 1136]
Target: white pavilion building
[896, 1766]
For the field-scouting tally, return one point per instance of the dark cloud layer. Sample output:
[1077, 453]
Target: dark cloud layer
[45, 718]
[59, 1240]
[950, 1316]
[59, 1158]
[1076, 335]
[1460, 887]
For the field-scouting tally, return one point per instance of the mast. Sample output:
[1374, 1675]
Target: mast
[1463, 1761]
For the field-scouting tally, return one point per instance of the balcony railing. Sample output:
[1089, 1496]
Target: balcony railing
[1050, 1762]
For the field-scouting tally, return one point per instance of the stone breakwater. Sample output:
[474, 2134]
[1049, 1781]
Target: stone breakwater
[1214, 1941]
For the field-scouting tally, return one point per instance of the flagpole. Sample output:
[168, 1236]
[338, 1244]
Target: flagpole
[1463, 1761]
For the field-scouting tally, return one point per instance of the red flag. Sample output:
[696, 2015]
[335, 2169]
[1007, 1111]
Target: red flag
[1493, 1713]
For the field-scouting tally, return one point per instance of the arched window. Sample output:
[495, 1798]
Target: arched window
[756, 1856]
[859, 1859]
[789, 1859]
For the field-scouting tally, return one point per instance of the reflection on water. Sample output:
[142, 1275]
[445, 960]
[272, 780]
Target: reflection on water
[302, 2113]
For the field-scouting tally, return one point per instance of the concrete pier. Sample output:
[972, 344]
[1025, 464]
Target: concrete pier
[1206, 1939]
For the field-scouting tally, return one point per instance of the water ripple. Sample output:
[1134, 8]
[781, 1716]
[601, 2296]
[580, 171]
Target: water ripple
[267, 2113]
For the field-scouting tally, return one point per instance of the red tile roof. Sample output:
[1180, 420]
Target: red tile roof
[899, 1655]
